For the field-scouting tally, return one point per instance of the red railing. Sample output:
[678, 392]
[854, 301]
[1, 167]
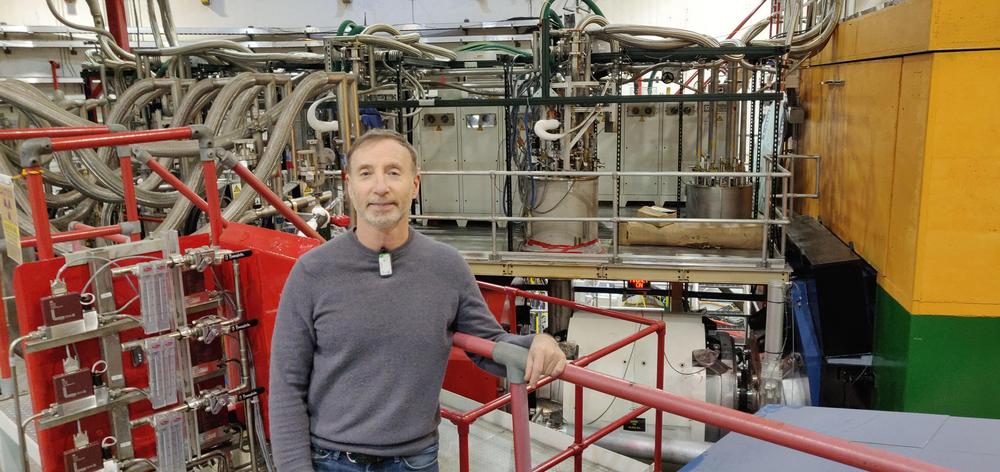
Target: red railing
[794, 437]
[45, 140]
[463, 420]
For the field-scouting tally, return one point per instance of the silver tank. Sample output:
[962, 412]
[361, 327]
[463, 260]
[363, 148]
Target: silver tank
[563, 197]
[709, 201]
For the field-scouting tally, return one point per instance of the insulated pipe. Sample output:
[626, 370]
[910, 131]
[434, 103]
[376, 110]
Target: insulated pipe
[640, 446]
[309, 87]
[774, 342]
[230, 162]
[794, 437]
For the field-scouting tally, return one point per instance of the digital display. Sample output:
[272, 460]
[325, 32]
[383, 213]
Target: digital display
[637, 284]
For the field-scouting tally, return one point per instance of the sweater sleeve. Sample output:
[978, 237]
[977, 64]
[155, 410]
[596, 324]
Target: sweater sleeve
[292, 346]
[474, 318]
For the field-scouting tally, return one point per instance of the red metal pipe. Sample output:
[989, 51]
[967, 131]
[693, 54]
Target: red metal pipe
[794, 437]
[117, 24]
[214, 203]
[177, 184]
[39, 212]
[117, 238]
[661, 335]
[61, 132]
[586, 360]
[120, 139]
[570, 304]
[131, 207]
[55, 76]
[275, 201]
[77, 235]
[500, 402]
[463, 447]
[519, 426]
[577, 429]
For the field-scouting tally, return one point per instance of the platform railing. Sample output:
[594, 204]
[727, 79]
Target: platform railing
[462, 420]
[772, 217]
[794, 437]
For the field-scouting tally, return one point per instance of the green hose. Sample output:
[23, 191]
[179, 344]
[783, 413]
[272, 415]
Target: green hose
[344, 25]
[593, 7]
[554, 18]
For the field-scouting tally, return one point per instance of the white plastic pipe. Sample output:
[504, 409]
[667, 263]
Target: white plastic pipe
[543, 127]
[317, 124]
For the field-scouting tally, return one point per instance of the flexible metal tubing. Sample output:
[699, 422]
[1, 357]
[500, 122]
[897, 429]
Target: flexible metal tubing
[311, 85]
[222, 103]
[47, 110]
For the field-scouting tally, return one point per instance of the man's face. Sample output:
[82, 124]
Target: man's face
[381, 183]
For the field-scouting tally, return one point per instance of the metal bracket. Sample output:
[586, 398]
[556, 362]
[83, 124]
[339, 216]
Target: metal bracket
[514, 358]
[32, 150]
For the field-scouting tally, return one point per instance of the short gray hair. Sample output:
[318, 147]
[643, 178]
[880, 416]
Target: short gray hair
[378, 134]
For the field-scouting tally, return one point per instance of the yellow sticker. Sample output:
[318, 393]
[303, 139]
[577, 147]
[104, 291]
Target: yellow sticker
[8, 213]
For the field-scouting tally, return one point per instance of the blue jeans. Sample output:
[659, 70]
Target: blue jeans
[325, 460]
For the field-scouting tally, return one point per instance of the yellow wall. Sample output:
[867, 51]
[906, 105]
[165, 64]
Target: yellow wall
[899, 29]
[958, 24]
[911, 167]
[856, 167]
[958, 258]
[900, 273]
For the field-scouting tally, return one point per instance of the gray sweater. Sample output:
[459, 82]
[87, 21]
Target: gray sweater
[357, 360]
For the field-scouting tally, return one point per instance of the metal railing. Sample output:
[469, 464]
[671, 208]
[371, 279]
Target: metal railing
[518, 396]
[794, 437]
[771, 247]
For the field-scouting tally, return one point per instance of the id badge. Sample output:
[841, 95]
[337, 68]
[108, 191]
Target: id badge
[384, 264]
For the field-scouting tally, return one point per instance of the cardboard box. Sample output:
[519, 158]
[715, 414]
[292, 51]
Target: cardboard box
[695, 235]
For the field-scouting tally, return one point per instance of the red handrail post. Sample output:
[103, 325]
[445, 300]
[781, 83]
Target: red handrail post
[39, 212]
[519, 421]
[128, 183]
[207, 152]
[661, 335]
[578, 427]
[463, 446]
[214, 203]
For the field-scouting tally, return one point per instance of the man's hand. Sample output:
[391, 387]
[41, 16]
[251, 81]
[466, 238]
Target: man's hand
[544, 358]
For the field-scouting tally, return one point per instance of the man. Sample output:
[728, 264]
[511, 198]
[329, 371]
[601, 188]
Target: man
[364, 329]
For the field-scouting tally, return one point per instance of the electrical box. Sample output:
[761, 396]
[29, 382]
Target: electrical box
[462, 139]
[63, 314]
[73, 386]
[84, 459]
[641, 149]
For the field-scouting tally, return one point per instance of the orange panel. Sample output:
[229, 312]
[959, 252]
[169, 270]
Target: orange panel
[898, 275]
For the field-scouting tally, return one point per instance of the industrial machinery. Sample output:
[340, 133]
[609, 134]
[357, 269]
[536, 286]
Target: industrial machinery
[539, 143]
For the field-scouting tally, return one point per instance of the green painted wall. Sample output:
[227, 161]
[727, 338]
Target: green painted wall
[936, 364]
